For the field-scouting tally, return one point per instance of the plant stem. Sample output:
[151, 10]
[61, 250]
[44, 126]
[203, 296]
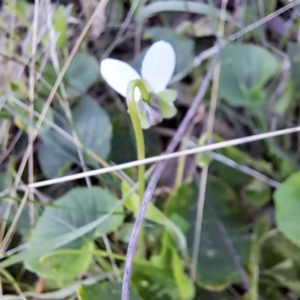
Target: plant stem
[155, 178]
[134, 115]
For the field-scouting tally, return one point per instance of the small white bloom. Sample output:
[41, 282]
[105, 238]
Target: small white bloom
[157, 69]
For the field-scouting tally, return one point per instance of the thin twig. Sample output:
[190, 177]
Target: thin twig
[64, 134]
[245, 169]
[184, 145]
[12, 144]
[154, 180]
[15, 220]
[199, 217]
[163, 157]
[224, 159]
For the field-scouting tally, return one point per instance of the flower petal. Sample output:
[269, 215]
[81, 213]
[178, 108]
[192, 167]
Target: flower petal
[158, 65]
[168, 95]
[118, 74]
[149, 115]
[166, 106]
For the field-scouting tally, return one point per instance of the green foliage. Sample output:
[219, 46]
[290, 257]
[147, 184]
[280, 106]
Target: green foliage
[123, 145]
[153, 282]
[75, 209]
[257, 193]
[82, 73]
[166, 99]
[107, 290]
[60, 26]
[185, 285]
[281, 263]
[245, 69]
[222, 207]
[94, 130]
[152, 213]
[258, 92]
[294, 56]
[287, 202]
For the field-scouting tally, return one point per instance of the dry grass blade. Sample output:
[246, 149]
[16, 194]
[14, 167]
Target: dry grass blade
[14, 222]
[101, 5]
[163, 157]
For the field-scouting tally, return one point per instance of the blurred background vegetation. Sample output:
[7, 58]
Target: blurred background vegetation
[69, 240]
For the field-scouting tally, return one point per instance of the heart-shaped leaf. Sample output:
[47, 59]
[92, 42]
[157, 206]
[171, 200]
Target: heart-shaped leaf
[75, 209]
[245, 69]
[221, 207]
[94, 130]
[82, 73]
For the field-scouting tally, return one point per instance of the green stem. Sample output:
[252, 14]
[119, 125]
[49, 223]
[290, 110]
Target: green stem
[134, 115]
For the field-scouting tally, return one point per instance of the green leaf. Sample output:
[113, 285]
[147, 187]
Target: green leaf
[245, 69]
[82, 73]
[21, 10]
[221, 206]
[59, 241]
[152, 282]
[185, 286]
[103, 291]
[124, 233]
[94, 130]
[123, 148]
[276, 249]
[287, 204]
[163, 260]
[260, 232]
[204, 294]
[77, 208]
[177, 203]
[60, 26]
[166, 99]
[114, 11]
[6, 181]
[153, 214]
[285, 101]
[257, 193]
[286, 273]
[293, 52]
[281, 261]
[133, 204]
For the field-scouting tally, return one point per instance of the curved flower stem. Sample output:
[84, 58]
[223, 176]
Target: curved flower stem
[134, 115]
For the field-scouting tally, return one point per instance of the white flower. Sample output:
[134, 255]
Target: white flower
[157, 69]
